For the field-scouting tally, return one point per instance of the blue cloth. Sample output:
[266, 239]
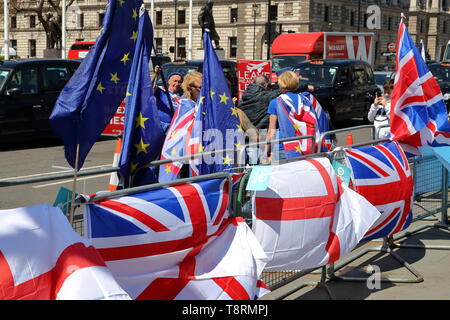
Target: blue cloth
[143, 136]
[165, 110]
[91, 97]
[273, 104]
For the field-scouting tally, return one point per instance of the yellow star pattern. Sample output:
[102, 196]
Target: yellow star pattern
[168, 168]
[114, 77]
[173, 134]
[234, 112]
[141, 147]
[173, 152]
[128, 94]
[296, 126]
[100, 87]
[140, 121]
[297, 149]
[227, 160]
[133, 166]
[134, 36]
[224, 98]
[135, 15]
[201, 148]
[125, 58]
[239, 146]
[239, 127]
[121, 2]
[212, 93]
[201, 99]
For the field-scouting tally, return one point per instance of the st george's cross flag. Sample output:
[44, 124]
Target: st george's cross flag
[307, 218]
[382, 175]
[178, 243]
[418, 111]
[43, 258]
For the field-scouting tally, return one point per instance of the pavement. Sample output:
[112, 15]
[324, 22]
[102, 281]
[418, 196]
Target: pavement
[431, 264]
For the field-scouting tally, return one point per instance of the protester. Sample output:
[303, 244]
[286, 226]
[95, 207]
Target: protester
[256, 99]
[380, 109]
[167, 109]
[284, 107]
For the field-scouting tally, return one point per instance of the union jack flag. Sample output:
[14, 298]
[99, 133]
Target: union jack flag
[382, 175]
[177, 243]
[176, 140]
[418, 112]
[323, 121]
[296, 118]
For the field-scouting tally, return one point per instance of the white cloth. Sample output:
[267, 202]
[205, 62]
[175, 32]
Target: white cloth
[380, 115]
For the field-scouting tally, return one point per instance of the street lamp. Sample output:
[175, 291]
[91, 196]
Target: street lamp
[268, 35]
[175, 31]
[6, 30]
[255, 7]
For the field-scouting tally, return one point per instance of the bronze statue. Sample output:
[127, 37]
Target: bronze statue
[206, 21]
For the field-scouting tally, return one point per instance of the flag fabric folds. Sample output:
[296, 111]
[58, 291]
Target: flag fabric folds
[382, 175]
[91, 97]
[418, 111]
[323, 122]
[177, 243]
[42, 258]
[308, 225]
[143, 135]
[216, 125]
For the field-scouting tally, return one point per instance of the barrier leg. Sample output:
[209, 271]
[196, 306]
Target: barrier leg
[386, 247]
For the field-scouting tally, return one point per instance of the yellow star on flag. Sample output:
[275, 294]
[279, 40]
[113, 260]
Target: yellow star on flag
[234, 112]
[239, 127]
[227, 160]
[114, 77]
[140, 121]
[141, 147]
[100, 87]
[173, 134]
[133, 166]
[134, 36]
[128, 94]
[168, 168]
[239, 146]
[224, 98]
[201, 99]
[297, 149]
[121, 2]
[135, 15]
[212, 93]
[125, 58]
[201, 148]
[296, 126]
[173, 152]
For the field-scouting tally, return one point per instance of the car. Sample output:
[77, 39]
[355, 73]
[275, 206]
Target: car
[28, 92]
[79, 49]
[185, 66]
[345, 88]
[441, 71]
[381, 77]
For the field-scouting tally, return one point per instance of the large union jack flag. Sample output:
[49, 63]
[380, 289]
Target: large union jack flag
[418, 112]
[382, 175]
[177, 243]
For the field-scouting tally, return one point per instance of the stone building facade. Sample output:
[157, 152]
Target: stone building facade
[241, 24]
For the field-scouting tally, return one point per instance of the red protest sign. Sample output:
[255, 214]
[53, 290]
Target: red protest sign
[116, 124]
[249, 69]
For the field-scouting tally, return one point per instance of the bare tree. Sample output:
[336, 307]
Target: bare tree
[49, 14]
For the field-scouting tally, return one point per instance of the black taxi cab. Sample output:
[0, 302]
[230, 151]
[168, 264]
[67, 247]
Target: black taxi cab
[28, 92]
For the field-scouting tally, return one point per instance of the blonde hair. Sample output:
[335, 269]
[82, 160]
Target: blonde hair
[288, 81]
[190, 79]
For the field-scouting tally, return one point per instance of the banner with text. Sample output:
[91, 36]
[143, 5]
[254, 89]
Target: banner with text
[249, 69]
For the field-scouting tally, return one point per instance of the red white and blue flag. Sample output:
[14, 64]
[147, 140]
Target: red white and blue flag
[323, 122]
[178, 243]
[311, 224]
[382, 175]
[418, 111]
[43, 258]
[176, 140]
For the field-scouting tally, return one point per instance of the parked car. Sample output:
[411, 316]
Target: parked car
[441, 71]
[381, 77]
[79, 49]
[28, 92]
[345, 88]
[184, 67]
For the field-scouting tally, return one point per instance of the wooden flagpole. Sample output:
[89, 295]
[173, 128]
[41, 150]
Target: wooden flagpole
[75, 172]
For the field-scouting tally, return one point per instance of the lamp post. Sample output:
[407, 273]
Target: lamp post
[255, 6]
[6, 29]
[175, 31]
[268, 35]
[63, 29]
[190, 31]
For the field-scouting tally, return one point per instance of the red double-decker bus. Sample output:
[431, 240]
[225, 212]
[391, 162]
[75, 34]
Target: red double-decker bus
[80, 49]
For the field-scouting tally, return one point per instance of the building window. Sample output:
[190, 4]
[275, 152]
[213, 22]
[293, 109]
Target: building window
[326, 14]
[233, 15]
[181, 16]
[422, 25]
[13, 22]
[14, 44]
[233, 47]
[159, 17]
[32, 47]
[366, 17]
[288, 9]
[352, 18]
[273, 12]
[101, 17]
[181, 48]
[444, 26]
[158, 44]
[80, 20]
[389, 26]
[32, 21]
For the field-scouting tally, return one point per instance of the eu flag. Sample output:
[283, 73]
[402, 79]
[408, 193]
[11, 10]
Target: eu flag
[91, 97]
[217, 124]
[143, 134]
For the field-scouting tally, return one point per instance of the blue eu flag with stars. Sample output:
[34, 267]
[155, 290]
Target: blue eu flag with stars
[91, 97]
[143, 135]
[217, 125]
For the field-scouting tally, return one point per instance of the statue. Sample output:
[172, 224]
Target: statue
[206, 21]
[53, 31]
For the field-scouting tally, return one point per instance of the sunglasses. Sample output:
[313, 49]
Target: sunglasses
[195, 87]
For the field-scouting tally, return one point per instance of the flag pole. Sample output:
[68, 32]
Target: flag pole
[75, 172]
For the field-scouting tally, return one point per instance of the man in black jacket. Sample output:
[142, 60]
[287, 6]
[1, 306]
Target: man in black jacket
[255, 101]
